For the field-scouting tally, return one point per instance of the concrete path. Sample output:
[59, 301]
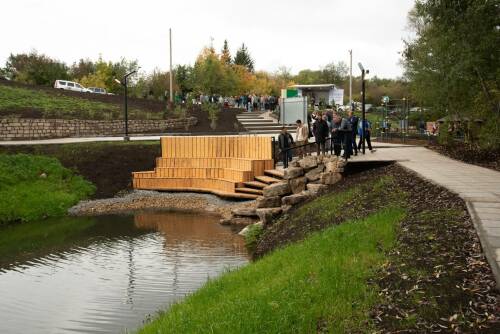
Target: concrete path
[103, 139]
[479, 187]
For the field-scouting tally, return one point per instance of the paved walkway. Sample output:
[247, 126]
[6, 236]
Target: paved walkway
[102, 139]
[479, 187]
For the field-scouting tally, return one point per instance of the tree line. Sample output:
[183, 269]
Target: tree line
[213, 72]
[452, 65]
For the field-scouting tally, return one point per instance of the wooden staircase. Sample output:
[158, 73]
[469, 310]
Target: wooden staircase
[217, 164]
[255, 188]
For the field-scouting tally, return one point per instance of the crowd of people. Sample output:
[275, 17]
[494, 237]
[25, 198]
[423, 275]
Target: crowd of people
[332, 133]
[250, 102]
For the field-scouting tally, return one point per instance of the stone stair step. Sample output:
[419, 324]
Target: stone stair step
[267, 179]
[255, 184]
[249, 191]
[256, 121]
[267, 127]
[275, 173]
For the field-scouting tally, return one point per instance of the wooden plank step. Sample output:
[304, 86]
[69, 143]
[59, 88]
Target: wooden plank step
[275, 173]
[267, 179]
[255, 184]
[249, 191]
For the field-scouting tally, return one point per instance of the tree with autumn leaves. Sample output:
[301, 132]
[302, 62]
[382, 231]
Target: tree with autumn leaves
[215, 73]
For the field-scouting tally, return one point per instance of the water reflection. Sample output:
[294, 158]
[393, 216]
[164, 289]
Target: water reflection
[116, 272]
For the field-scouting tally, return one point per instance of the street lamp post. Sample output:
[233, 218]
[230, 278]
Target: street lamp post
[363, 106]
[124, 83]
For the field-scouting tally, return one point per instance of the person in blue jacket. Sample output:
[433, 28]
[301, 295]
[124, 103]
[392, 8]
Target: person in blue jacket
[364, 131]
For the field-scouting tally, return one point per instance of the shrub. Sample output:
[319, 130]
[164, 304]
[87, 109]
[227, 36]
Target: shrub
[252, 236]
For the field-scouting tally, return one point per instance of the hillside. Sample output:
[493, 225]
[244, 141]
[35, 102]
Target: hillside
[28, 101]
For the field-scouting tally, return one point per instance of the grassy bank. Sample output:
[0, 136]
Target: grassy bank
[319, 283]
[25, 102]
[35, 187]
[108, 165]
[316, 285]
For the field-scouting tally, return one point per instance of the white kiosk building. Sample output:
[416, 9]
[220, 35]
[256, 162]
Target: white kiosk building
[328, 93]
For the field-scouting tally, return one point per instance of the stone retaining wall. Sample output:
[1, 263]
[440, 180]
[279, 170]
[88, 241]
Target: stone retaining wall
[27, 128]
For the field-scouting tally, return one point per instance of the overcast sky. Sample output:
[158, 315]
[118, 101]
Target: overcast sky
[292, 33]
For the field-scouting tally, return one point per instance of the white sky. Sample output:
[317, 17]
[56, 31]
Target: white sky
[291, 33]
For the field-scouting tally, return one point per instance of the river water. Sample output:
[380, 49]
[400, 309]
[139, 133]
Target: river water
[108, 274]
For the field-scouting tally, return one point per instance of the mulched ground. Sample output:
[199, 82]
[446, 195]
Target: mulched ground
[437, 278]
[484, 158]
[227, 123]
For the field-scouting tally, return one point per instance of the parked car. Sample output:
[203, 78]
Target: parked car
[70, 85]
[97, 90]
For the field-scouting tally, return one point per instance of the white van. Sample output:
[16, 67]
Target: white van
[70, 85]
[97, 90]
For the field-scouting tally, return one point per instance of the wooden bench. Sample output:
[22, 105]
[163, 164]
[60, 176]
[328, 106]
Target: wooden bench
[218, 164]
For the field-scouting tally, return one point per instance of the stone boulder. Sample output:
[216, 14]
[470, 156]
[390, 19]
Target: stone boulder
[294, 163]
[277, 189]
[309, 162]
[238, 221]
[293, 172]
[331, 167]
[294, 199]
[268, 215]
[244, 212]
[286, 208]
[298, 184]
[314, 174]
[330, 178]
[268, 202]
[316, 189]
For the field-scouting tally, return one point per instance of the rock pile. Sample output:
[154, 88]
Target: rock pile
[302, 180]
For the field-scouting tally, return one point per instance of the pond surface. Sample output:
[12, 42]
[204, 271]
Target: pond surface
[107, 274]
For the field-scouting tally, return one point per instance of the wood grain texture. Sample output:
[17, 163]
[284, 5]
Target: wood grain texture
[217, 164]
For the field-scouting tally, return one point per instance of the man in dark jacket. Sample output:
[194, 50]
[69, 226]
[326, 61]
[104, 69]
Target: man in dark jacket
[354, 120]
[337, 134]
[285, 142]
[321, 132]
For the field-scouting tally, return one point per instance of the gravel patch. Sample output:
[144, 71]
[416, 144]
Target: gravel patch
[145, 199]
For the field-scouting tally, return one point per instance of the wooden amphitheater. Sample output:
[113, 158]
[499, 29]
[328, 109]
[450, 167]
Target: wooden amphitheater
[228, 166]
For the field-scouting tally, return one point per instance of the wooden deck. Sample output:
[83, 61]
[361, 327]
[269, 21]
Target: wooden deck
[219, 164]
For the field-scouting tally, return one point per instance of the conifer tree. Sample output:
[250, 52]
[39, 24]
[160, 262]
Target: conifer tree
[243, 58]
[225, 56]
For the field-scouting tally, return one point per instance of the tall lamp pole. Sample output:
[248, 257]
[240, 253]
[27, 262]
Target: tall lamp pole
[363, 102]
[171, 76]
[124, 83]
[350, 79]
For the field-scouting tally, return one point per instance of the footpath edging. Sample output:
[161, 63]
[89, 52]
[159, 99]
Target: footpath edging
[489, 250]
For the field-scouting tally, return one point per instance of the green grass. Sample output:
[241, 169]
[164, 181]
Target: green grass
[317, 284]
[14, 100]
[34, 187]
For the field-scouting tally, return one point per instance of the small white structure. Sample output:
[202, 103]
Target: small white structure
[321, 92]
[292, 109]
